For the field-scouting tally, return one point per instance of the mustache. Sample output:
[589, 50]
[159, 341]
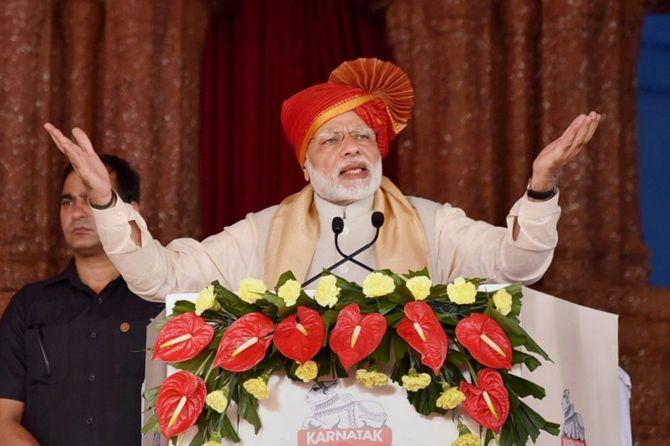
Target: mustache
[357, 160]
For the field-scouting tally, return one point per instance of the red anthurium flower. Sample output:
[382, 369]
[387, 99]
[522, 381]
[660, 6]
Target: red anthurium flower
[488, 402]
[485, 341]
[245, 342]
[355, 336]
[423, 331]
[180, 402]
[182, 338]
[301, 335]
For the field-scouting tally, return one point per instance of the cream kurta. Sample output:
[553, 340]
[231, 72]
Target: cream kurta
[459, 246]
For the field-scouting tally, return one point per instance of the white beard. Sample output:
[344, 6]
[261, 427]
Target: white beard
[329, 187]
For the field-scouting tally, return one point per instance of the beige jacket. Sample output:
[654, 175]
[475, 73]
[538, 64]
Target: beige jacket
[459, 246]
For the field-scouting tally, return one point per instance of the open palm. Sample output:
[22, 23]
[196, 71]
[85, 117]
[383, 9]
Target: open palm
[85, 161]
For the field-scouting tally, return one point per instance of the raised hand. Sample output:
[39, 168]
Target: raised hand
[549, 164]
[86, 163]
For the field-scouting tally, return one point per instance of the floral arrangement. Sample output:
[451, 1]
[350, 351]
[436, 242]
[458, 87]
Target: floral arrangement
[449, 346]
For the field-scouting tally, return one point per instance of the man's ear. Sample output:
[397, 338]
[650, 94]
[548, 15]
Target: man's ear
[135, 206]
[305, 174]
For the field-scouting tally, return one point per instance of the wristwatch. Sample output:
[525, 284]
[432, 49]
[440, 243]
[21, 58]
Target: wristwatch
[543, 195]
[100, 207]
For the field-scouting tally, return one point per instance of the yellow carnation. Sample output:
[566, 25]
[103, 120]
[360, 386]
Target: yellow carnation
[503, 301]
[450, 398]
[467, 440]
[378, 284]
[462, 292]
[258, 387]
[371, 378]
[212, 443]
[251, 289]
[307, 371]
[218, 400]
[414, 381]
[289, 291]
[206, 300]
[419, 287]
[327, 291]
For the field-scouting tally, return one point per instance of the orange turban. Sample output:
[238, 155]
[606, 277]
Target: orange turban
[379, 92]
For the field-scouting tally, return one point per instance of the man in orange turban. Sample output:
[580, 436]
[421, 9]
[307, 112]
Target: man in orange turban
[340, 131]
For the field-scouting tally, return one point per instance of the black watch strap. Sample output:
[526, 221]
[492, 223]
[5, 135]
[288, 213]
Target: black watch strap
[541, 195]
[100, 207]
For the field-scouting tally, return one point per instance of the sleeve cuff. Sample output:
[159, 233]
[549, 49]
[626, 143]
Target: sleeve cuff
[536, 209]
[112, 216]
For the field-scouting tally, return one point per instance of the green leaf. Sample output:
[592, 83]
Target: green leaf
[288, 275]
[423, 272]
[277, 302]
[519, 357]
[227, 430]
[248, 409]
[399, 348]
[453, 374]
[150, 396]
[542, 424]
[385, 305]
[194, 363]
[392, 319]
[459, 359]
[490, 436]
[183, 306]
[515, 291]
[383, 352]
[524, 423]
[424, 399]
[347, 287]
[447, 319]
[348, 297]
[329, 317]
[522, 387]
[438, 290]
[151, 425]
[514, 330]
[230, 302]
[199, 439]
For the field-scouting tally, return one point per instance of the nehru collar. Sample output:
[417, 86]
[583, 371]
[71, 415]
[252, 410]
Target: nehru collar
[328, 211]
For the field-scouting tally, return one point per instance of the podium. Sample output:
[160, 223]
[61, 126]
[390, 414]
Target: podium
[581, 383]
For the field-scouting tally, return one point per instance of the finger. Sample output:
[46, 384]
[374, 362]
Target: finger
[51, 130]
[570, 133]
[83, 140]
[573, 154]
[578, 149]
[58, 137]
[592, 130]
[581, 134]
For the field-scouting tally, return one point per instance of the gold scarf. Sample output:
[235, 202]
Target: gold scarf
[294, 233]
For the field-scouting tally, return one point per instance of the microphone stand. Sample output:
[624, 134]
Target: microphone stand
[337, 225]
[362, 265]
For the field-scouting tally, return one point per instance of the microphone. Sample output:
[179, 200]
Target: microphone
[337, 225]
[377, 219]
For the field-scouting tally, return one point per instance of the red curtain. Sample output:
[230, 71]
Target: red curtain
[258, 53]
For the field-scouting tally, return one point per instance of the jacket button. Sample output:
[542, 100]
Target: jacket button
[89, 420]
[91, 377]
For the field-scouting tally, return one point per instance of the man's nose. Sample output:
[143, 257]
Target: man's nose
[349, 146]
[80, 209]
